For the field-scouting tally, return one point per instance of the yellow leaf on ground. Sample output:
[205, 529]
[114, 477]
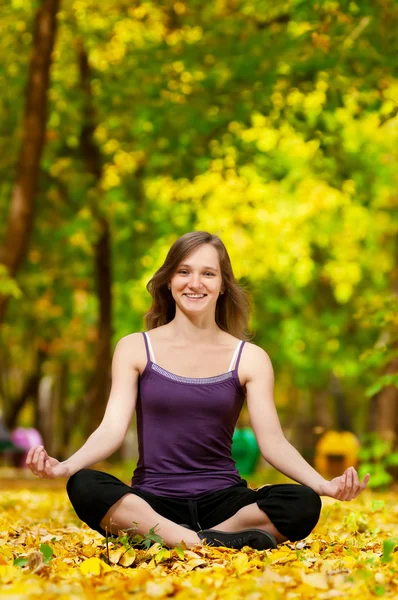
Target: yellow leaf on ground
[193, 563]
[94, 566]
[316, 546]
[282, 556]
[6, 554]
[157, 590]
[154, 549]
[241, 563]
[269, 575]
[180, 553]
[128, 558]
[8, 573]
[190, 554]
[163, 554]
[315, 580]
[89, 551]
[114, 555]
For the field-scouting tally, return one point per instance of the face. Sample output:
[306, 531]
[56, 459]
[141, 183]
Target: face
[197, 282]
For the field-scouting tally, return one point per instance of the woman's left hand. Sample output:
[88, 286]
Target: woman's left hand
[346, 487]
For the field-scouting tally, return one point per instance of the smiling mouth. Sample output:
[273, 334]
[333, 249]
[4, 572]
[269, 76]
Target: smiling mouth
[195, 296]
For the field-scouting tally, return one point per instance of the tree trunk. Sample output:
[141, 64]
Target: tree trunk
[386, 407]
[29, 392]
[99, 385]
[15, 397]
[385, 404]
[323, 416]
[60, 400]
[343, 417]
[20, 217]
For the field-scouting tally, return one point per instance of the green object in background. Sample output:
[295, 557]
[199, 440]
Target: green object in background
[245, 450]
[6, 445]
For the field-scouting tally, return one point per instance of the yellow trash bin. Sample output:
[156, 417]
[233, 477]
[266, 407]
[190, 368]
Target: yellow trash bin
[335, 451]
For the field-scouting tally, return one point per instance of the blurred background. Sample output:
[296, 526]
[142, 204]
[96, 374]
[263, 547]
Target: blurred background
[123, 125]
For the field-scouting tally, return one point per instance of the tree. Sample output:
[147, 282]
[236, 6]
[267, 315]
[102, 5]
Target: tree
[274, 126]
[21, 212]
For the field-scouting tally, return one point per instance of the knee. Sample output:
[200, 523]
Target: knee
[77, 486]
[309, 504]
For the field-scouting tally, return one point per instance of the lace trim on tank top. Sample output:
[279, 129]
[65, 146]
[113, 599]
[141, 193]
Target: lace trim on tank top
[193, 380]
[182, 379]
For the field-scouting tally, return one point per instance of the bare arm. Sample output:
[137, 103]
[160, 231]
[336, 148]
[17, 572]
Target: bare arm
[274, 447]
[111, 432]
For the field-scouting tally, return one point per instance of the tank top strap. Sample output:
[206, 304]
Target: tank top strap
[149, 350]
[236, 356]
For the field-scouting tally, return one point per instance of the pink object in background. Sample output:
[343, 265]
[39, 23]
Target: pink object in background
[25, 439]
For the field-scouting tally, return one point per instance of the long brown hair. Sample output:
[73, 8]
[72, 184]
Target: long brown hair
[232, 310]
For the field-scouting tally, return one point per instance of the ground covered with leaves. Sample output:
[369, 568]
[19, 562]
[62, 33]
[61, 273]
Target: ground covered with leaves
[45, 551]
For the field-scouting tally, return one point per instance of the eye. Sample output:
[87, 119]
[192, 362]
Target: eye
[209, 273]
[182, 271]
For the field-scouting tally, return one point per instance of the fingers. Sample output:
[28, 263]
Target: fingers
[365, 482]
[340, 488]
[345, 485]
[348, 485]
[36, 461]
[356, 484]
[351, 487]
[30, 455]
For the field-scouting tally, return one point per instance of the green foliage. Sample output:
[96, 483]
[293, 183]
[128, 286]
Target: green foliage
[47, 552]
[376, 456]
[8, 286]
[274, 126]
[388, 548]
[356, 522]
[378, 505]
[380, 312]
[142, 541]
[20, 561]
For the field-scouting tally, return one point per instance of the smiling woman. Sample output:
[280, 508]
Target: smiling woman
[183, 264]
[187, 377]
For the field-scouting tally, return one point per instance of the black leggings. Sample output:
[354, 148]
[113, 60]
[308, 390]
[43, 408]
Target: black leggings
[293, 509]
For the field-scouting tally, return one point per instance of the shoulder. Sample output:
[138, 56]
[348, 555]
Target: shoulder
[132, 340]
[255, 363]
[130, 350]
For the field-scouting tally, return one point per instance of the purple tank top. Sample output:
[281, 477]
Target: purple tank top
[185, 427]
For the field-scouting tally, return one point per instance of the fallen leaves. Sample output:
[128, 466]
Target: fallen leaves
[128, 558]
[94, 566]
[8, 573]
[45, 551]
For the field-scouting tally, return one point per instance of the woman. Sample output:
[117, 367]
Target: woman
[188, 401]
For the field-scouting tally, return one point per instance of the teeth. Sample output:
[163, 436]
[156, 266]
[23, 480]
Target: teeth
[195, 295]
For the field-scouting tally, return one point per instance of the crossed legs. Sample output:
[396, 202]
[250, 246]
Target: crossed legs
[98, 496]
[250, 517]
[119, 518]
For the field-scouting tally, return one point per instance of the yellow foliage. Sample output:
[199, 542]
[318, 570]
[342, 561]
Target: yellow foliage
[341, 558]
[110, 177]
[8, 573]
[94, 566]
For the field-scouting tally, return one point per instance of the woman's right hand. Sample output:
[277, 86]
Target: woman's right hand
[43, 465]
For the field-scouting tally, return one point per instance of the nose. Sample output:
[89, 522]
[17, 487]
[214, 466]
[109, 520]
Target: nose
[195, 281]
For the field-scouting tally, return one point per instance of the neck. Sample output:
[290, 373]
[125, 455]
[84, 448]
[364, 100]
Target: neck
[201, 329]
